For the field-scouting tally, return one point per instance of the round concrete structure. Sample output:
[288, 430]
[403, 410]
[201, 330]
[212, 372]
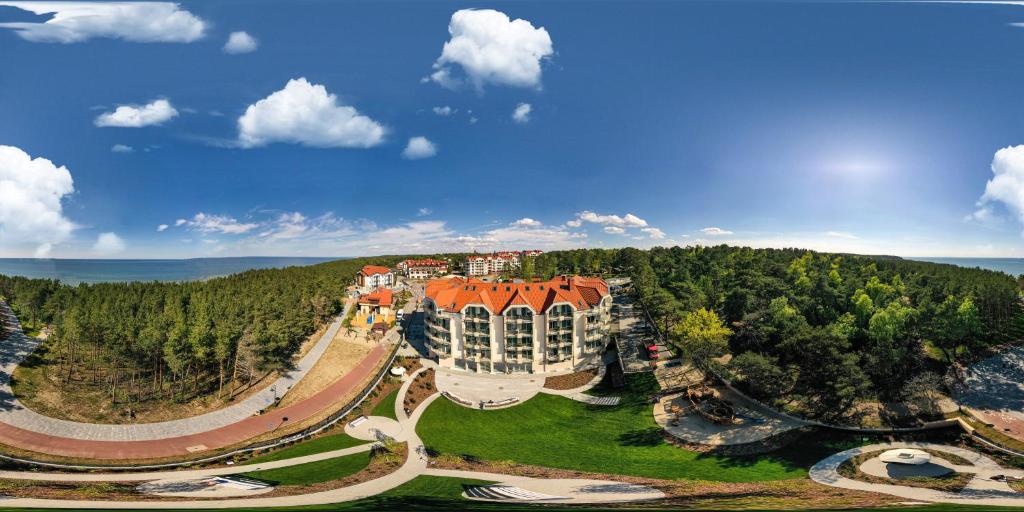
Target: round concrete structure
[905, 456]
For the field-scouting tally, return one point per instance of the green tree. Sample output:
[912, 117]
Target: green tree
[702, 336]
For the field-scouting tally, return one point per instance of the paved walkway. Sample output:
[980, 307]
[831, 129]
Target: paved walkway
[634, 336]
[981, 490]
[12, 412]
[755, 422]
[561, 490]
[994, 391]
[579, 394]
[577, 491]
[483, 387]
[25, 429]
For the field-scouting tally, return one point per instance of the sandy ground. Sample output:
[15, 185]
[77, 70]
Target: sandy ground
[91, 405]
[341, 356]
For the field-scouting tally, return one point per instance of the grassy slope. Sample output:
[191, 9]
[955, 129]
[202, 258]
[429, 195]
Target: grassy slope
[386, 406]
[315, 472]
[557, 432]
[318, 445]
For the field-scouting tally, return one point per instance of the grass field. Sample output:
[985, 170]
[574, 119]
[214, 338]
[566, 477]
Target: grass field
[386, 406]
[558, 432]
[319, 445]
[315, 472]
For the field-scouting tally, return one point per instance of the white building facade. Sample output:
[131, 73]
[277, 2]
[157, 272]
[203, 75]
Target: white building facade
[375, 276]
[540, 327]
[496, 263]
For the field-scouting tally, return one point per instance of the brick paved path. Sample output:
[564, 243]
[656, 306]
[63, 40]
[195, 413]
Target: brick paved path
[26, 429]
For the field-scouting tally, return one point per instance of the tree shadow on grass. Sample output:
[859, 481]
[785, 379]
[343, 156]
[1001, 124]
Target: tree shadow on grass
[642, 437]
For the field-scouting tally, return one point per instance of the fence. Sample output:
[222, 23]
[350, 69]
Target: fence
[312, 430]
[891, 430]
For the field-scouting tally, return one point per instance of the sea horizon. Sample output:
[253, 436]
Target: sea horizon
[74, 271]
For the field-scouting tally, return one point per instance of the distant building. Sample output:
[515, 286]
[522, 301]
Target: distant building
[536, 327]
[424, 268]
[496, 263]
[375, 276]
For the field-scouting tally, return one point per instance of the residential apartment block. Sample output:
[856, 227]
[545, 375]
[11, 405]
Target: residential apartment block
[496, 263]
[424, 268]
[537, 327]
[375, 276]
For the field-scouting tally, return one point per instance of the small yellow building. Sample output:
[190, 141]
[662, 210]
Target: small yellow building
[375, 307]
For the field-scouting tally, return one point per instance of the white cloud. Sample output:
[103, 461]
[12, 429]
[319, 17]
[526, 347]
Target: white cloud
[161, 228]
[522, 113]
[240, 42]
[206, 223]
[444, 111]
[305, 113]
[295, 233]
[121, 148]
[575, 223]
[108, 244]
[1006, 186]
[492, 49]
[180, 222]
[713, 231]
[654, 233]
[140, 22]
[31, 191]
[419, 147]
[614, 230]
[527, 222]
[136, 116]
[43, 251]
[423, 212]
[841, 234]
[628, 221]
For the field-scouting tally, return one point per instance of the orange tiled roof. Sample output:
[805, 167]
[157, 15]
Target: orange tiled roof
[379, 297]
[453, 294]
[369, 270]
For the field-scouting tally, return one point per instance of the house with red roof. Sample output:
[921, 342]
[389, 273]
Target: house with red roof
[423, 268]
[376, 306]
[523, 327]
[375, 276]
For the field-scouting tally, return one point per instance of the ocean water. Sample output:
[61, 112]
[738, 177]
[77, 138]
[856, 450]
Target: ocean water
[1012, 266]
[96, 271]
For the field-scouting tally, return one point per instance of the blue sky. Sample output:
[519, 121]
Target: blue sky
[862, 127]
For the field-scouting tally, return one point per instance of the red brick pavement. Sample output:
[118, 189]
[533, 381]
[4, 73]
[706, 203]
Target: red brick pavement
[213, 439]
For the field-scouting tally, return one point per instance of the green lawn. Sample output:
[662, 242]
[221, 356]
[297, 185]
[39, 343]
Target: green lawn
[386, 407]
[557, 432]
[319, 445]
[315, 472]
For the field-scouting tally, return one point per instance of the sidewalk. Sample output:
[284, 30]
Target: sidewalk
[25, 429]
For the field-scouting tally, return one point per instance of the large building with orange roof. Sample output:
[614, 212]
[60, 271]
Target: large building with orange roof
[535, 327]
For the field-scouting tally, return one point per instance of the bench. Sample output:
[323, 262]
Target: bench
[503, 402]
[358, 421]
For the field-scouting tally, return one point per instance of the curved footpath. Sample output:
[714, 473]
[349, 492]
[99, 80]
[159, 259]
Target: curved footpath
[981, 490]
[23, 428]
[573, 490]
